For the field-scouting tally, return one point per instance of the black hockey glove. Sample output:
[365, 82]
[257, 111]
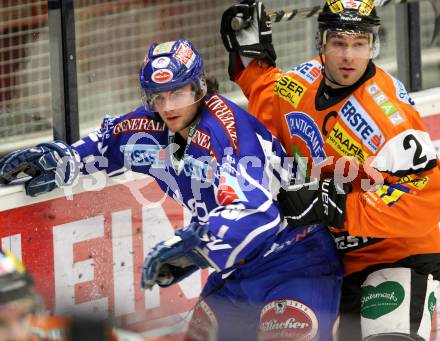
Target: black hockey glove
[314, 201]
[253, 39]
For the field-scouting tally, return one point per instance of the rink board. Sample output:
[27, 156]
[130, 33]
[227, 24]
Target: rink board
[86, 249]
[86, 252]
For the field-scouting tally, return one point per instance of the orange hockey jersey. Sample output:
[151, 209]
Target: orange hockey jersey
[376, 126]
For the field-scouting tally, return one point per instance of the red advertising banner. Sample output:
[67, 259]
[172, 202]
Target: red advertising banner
[87, 253]
[433, 125]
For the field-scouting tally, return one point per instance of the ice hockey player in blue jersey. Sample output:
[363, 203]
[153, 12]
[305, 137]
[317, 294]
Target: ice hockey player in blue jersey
[271, 281]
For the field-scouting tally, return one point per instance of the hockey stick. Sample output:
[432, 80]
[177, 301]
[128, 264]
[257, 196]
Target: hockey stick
[238, 23]
[436, 5]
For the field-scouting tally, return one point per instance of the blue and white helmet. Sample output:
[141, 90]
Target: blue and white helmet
[170, 66]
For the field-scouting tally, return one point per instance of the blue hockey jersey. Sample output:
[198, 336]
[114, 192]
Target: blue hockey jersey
[228, 177]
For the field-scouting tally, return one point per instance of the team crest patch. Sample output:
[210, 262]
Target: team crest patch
[287, 320]
[302, 125]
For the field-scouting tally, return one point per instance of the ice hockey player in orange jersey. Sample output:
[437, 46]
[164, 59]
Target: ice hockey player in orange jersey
[354, 126]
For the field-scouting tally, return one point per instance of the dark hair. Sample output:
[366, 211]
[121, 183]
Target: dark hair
[211, 85]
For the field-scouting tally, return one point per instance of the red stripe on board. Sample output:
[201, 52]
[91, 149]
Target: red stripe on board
[433, 125]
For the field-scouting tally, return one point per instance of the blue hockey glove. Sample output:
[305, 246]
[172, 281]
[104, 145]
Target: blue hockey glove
[174, 259]
[50, 165]
[253, 37]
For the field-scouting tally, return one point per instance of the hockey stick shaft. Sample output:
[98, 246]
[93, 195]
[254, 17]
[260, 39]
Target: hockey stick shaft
[237, 23]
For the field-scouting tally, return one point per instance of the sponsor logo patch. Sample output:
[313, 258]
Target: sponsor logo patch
[196, 169]
[160, 63]
[366, 7]
[309, 71]
[201, 139]
[301, 161]
[163, 48]
[303, 126]
[377, 301]
[414, 181]
[144, 155]
[387, 107]
[290, 90]
[431, 304]
[344, 144]
[229, 190]
[138, 125]
[185, 54]
[346, 243]
[351, 4]
[391, 194]
[162, 76]
[335, 6]
[361, 124]
[287, 320]
[203, 324]
[224, 114]
[401, 92]
[396, 118]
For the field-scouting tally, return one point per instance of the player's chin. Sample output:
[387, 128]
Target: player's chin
[347, 80]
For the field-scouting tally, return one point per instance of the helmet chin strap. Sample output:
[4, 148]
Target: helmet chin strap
[326, 75]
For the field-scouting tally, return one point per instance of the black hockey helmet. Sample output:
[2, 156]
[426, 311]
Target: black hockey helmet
[354, 15]
[349, 16]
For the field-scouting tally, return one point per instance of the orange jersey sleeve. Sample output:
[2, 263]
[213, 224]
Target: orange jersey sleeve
[257, 83]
